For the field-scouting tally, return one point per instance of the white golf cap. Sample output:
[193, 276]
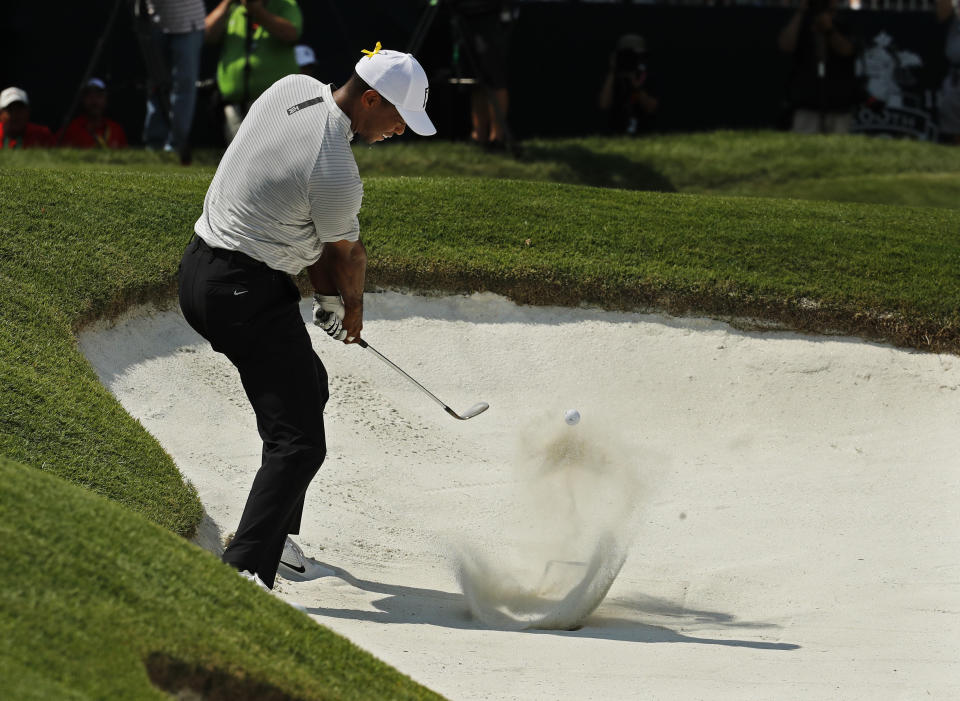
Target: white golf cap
[96, 83]
[304, 54]
[402, 81]
[11, 95]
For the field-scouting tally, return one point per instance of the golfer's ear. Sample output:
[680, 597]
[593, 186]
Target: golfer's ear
[370, 98]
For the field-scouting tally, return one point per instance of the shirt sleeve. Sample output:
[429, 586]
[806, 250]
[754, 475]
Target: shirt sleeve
[335, 193]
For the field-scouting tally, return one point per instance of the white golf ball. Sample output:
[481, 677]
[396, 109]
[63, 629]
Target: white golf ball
[572, 417]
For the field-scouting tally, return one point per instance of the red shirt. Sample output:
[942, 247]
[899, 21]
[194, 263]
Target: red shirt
[79, 134]
[34, 135]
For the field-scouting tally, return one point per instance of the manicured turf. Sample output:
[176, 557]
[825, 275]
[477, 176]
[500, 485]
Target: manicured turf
[774, 164]
[84, 235]
[907, 189]
[91, 592]
[567, 244]
[74, 247]
[734, 163]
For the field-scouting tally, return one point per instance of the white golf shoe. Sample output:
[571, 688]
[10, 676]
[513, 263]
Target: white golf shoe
[253, 577]
[293, 557]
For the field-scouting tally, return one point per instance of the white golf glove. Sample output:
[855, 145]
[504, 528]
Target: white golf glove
[328, 315]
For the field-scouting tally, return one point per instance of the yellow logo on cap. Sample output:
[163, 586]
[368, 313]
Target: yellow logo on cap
[371, 54]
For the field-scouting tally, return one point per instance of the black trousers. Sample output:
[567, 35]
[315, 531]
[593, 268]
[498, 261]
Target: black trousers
[250, 313]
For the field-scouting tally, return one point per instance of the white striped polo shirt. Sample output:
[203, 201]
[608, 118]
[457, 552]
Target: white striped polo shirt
[288, 182]
[177, 16]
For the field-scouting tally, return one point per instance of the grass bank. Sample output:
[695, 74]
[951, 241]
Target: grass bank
[97, 602]
[877, 271]
[96, 599]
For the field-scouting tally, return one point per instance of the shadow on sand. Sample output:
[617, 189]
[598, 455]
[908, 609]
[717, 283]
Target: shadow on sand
[402, 604]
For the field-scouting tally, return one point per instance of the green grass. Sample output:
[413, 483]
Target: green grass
[75, 247]
[90, 592]
[735, 163]
[875, 270]
[83, 235]
[763, 164]
[906, 189]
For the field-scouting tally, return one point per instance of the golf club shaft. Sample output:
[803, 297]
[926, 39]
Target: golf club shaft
[367, 346]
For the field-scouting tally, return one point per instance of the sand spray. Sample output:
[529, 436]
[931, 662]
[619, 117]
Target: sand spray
[553, 548]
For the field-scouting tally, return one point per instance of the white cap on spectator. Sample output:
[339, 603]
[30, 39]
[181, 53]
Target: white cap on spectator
[304, 54]
[402, 81]
[96, 83]
[11, 95]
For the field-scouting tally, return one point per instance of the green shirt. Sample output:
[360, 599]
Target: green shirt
[270, 58]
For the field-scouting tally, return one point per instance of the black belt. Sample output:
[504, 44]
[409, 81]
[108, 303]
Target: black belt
[235, 257]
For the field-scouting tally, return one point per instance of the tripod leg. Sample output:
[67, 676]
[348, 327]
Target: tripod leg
[90, 65]
[423, 27]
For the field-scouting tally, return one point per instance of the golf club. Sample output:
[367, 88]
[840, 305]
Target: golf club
[478, 408]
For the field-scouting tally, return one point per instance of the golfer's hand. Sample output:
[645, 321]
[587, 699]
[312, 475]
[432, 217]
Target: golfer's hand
[353, 323]
[328, 313]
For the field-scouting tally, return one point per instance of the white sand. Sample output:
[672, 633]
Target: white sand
[795, 531]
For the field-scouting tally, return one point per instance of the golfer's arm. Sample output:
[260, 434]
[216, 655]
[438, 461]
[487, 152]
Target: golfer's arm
[341, 269]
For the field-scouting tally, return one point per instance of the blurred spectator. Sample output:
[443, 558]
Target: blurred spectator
[823, 90]
[171, 34]
[629, 95]
[486, 25]
[306, 59]
[16, 129]
[91, 128]
[949, 109]
[258, 38]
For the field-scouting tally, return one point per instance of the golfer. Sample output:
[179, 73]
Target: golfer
[286, 197]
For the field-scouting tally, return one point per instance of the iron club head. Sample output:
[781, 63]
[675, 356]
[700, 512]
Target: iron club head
[478, 408]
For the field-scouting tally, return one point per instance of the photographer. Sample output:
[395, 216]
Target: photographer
[628, 95]
[823, 89]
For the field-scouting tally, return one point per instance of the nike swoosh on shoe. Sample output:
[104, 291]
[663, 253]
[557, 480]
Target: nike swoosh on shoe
[298, 570]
